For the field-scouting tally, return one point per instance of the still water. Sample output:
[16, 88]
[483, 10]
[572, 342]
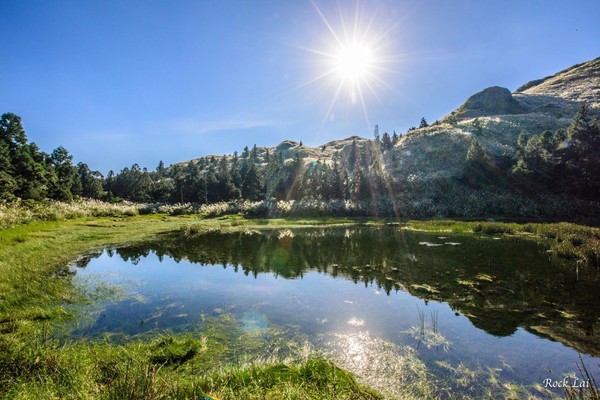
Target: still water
[409, 313]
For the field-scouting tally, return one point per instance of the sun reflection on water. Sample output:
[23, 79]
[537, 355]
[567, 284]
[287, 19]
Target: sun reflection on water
[396, 371]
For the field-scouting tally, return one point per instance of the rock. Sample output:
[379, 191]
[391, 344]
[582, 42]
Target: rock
[494, 100]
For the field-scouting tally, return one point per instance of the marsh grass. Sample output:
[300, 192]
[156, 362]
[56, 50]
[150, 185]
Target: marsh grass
[565, 240]
[591, 391]
[164, 367]
[27, 211]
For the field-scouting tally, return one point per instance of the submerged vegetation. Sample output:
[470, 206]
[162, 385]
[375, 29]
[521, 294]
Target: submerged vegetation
[569, 241]
[161, 368]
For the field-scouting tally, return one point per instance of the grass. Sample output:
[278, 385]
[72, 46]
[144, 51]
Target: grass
[162, 368]
[35, 293]
[566, 240]
[26, 211]
[36, 290]
[585, 387]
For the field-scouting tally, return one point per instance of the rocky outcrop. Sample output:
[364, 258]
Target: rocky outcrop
[494, 100]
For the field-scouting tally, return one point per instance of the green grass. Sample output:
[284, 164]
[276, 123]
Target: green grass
[36, 291]
[162, 368]
[566, 240]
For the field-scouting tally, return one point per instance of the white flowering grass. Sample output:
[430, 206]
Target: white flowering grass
[23, 212]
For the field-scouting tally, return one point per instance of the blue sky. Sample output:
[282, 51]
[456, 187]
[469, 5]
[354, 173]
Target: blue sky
[123, 82]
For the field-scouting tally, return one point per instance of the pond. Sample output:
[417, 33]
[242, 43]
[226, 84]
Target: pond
[408, 312]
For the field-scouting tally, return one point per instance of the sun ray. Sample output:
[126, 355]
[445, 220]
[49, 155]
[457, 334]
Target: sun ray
[354, 59]
[335, 96]
[331, 30]
[364, 106]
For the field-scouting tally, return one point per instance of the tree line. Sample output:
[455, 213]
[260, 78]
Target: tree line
[26, 172]
[560, 162]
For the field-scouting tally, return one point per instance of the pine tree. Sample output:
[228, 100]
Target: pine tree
[251, 185]
[423, 123]
[479, 169]
[66, 172]
[386, 142]
[8, 185]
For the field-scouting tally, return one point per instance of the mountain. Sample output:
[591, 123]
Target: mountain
[531, 153]
[496, 117]
[543, 104]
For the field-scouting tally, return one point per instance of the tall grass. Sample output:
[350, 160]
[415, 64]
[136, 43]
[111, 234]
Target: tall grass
[590, 389]
[23, 212]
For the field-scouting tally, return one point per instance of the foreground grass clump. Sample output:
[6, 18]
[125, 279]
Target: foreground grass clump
[162, 368]
[566, 240]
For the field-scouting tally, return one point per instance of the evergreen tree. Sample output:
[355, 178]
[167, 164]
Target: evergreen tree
[67, 184]
[226, 188]
[580, 152]
[28, 176]
[8, 185]
[386, 142]
[394, 138]
[479, 169]
[254, 154]
[423, 123]
[251, 185]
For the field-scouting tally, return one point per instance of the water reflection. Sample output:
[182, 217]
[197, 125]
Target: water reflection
[396, 308]
[500, 285]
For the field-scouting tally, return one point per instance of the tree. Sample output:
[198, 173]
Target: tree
[254, 154]
[479, 169]
[28, 175]
[8, 185]
[91, 182]
[579, 152]
[423, 123]
[477, 126]
[386, 142]
[251, 185]
[227, 189]
[66, 182]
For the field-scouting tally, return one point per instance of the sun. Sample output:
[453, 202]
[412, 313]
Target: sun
[352, 59]
[354, 62]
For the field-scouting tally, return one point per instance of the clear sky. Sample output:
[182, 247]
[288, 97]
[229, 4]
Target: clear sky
[123, 82]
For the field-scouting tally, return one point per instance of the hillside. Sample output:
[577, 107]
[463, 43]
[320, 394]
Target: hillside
[529, 154]
[470, 163]
[544, 104]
